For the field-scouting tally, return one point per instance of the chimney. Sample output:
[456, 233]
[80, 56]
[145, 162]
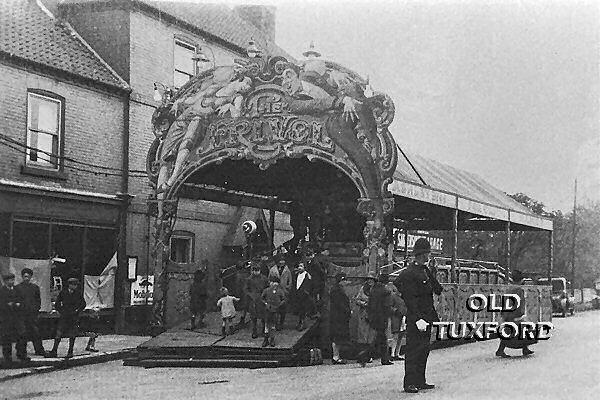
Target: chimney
[262, 17]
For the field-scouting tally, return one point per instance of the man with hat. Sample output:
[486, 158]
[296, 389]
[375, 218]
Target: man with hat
[339, 317]
[379, 310]
[31, 307]
[11, 322]
[254, 286]
[417, 283]
[282, 272]
[69, 304]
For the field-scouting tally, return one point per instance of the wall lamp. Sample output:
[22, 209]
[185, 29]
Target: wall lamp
[253, 50]
[162, 92]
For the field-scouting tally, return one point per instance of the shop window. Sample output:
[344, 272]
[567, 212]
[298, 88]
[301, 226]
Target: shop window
[100, 247]
[182, 247]
[67, 243]
[30, 240]
[45, 113]
[185, 66]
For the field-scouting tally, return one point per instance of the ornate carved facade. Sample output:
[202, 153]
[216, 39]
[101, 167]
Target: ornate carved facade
[265, 110]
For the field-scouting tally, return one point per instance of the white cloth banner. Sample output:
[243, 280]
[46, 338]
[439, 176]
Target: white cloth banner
[99, 291]
[41, 276]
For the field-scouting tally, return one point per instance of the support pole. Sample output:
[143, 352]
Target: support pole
[406, 243]
[508, 260]
[574, 234]
[272, 227]
[550, 255]
[454, 246]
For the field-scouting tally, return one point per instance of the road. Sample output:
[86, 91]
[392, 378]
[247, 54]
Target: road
[565, 367]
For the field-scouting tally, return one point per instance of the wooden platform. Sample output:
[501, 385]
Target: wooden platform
[206, 347]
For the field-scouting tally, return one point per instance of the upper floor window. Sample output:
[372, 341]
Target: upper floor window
[185, 66]
[45, 113]
[182, 247]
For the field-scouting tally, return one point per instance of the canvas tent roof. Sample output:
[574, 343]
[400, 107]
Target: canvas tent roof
[438, 185]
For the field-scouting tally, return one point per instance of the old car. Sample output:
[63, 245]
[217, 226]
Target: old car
[563, 301]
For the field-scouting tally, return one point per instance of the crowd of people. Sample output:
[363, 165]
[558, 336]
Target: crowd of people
[19, 312]
[267, 289]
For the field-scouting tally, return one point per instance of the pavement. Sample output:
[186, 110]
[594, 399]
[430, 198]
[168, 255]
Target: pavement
[565, 367]
[111, 347]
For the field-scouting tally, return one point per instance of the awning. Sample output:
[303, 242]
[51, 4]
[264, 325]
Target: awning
[439, 185]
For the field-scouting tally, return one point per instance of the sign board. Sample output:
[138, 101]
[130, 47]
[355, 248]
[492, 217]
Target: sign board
[399, 238]
[142, 290]
[416, 192]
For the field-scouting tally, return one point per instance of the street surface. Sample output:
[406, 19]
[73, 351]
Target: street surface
[565, 367]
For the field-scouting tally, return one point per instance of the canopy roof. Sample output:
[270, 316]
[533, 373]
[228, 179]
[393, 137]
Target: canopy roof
[482, 206]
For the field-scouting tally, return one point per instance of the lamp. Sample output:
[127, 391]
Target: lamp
[368, 89]
[253, 50]
[167, 92]
[311, 52]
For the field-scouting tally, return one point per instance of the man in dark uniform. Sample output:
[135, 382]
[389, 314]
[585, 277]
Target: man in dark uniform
[31, 307]
[379, 310]
[417, 283]
[11, 322]
[69, 304]
[254, 287]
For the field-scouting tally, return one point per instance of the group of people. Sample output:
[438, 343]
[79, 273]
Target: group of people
[19, 311]
[383, 306]
[274, 286]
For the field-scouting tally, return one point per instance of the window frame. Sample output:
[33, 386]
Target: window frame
[186, 235]
[190, 45]
[41, 166]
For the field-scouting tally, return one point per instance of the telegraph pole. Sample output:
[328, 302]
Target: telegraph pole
[574, 235]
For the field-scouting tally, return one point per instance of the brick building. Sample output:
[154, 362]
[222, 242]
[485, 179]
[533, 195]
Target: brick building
[60, 104]
[133, 46]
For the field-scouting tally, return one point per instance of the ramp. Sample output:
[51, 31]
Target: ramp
[206, 347]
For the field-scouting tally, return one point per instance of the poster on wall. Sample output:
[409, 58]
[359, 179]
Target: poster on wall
[41, 276]
[142, 290]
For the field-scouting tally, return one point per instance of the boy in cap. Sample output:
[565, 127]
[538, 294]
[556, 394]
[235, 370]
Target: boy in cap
[418, 283]
[379, 310]
[11, 306]
[69, 304]
[273, 298]
[254, 287]
[284, 277]
[31, 307]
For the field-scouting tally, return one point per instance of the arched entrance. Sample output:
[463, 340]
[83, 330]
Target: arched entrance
[310, 135]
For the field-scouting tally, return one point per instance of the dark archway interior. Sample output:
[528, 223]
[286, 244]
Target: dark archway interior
[326, 196]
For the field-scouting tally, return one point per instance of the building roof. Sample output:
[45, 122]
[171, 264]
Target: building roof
[218, 20]
[440, 184]
[30, 33]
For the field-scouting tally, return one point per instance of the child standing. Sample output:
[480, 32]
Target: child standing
[227, 307]
[273, 297]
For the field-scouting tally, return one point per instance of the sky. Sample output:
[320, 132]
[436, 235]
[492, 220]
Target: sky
[508, 90]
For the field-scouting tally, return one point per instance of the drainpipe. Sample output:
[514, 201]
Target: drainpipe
[121, 287]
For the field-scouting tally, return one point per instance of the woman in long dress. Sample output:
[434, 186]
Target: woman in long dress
[366, 334]
[517, 316]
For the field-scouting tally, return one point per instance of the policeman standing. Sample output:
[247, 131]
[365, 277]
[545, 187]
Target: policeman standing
[417, 283]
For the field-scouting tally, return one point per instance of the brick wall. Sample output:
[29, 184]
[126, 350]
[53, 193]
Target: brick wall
[93, 130]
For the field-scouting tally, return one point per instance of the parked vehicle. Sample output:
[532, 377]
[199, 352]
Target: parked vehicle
[563, 301]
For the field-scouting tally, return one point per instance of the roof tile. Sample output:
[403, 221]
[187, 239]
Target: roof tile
[26, 31]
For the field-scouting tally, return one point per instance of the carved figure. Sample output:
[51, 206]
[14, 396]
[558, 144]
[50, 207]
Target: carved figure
[222, 93]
